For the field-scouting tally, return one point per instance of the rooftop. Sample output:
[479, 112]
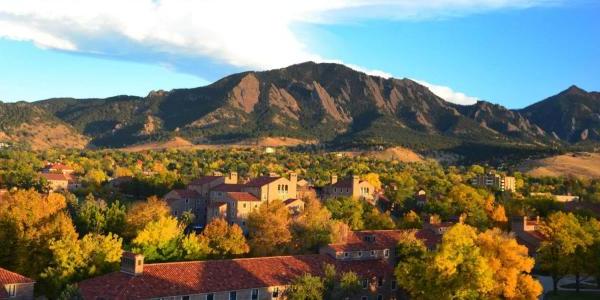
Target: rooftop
[55, 177]
[260, 181]
[242, 196]
[198, 277]
[8, 277]
[224, 187]
[185, 193]
[383, 239]
[204, 180]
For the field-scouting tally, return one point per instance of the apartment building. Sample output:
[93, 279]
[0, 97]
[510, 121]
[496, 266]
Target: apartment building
[349, 187]
[495, 181]
[15, 286]
[370, 254]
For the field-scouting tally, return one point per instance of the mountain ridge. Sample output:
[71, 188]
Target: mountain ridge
[331, 103]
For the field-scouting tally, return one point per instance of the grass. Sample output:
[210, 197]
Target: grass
[571, 295]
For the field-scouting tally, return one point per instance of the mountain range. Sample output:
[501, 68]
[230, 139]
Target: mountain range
[329, 103]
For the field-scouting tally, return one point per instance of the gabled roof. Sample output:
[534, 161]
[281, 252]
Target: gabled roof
[204, 180]
[228, 187]
[260, 181]
[383, 239]
[242, 196]
[291, 201]
[185, 193]
[8, 277]
[57, 166]
[55, 177]
[198, 277]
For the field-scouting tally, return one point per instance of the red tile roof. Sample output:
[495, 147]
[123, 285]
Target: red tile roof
[185, 193]
[204, 180]
[58, 166]
[228, 187]
[242, 196]
[384, 239]
[55, 177]
[8, 277]
[260, 181]
[343, 183]
[189, 278]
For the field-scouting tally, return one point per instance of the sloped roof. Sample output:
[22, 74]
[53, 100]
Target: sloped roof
[228, 187]
[242, 196]
[383, 239]
[55, 177]
[204, 180]
[185, 193]
[260, 181]
[8, 277]
[197, 277]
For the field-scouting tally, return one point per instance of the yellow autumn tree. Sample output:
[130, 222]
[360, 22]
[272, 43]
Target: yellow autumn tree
[224, 240]
[268, 228]
[373, 178]
[159, 240]
[510, 265]
[142, 213]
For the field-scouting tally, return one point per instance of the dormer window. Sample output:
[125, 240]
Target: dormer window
[369, 238]
[386, 253]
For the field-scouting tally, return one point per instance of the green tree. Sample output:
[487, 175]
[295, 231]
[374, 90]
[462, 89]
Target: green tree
[312, 228]
[374, 219]
[195, 247]
[347, 209]
[159, 240]
[306, 287]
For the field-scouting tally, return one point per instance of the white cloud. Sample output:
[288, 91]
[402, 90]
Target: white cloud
[238, 34]
[448, 94]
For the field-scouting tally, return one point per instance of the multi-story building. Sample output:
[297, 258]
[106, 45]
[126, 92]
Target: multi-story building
[57, 168]
[496, 181]
[219, 196]
[369, 254]
[349, 187]
[527, 234]
[15, 286]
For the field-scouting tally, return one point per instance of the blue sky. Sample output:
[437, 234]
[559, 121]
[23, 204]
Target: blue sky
[512, 52]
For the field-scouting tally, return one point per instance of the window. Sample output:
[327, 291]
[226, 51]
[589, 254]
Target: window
[254, 294]
[372, 252]
[187, 201]
[346, 254]
[244, 205]
[394, 285]
[275, 293]
[185, 298]
[386, 253]
[364, 298]
[379, 297]
[210, 297]
[359, 253]
[12, 290]
[232, 295]
[380, 282]
[365, 283]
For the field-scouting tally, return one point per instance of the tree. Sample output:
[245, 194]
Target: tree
[187, 218]
[374, 219]
[306, 287]
[195, 247]
[404, 188]
[373, 179]
[28, 223]
[90, 215]
[410, 220]
[75, 260]
[224, 240]
[268, 229]
[565, 238]
[115, 217]
[144, 212]
[159, 240]
[347, 209]
[510, 265]
[95, 177]
[312, 228]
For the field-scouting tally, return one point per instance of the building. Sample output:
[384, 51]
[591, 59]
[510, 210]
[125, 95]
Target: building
[421, 197]
[370, 254]
[15, 286]
[495, 181]
[527, 234]
[56, 181]
[349, 187]
[305, 190]
[557, 198]
[57, 168]
[218, 196]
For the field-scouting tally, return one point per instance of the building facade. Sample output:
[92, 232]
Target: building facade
[496, 181]
[349, 187]
[15, 286]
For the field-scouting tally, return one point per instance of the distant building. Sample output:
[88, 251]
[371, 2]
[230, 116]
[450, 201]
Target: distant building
[349, 187]
[496, 181]
[56, 181]
[527, 233]
[57, 168]
[558, 198]
[15, 286]
[421, 197]
[218, 196]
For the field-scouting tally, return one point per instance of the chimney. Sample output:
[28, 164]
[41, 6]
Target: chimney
[355, 180]
[132, 263]
[233, 178]
[333, 179]
[217, 173]
[293, 179]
